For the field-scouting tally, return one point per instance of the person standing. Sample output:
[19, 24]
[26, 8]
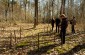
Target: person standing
[73, 23]
[57, 24]
[64, 25]
[52, 23]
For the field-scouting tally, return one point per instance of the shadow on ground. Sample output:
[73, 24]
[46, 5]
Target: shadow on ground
[42, 50]
[74, 50]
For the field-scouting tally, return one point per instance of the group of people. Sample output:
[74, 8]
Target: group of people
[61, 26]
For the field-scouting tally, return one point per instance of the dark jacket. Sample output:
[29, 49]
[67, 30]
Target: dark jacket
[57, 21]
[52, 22]
[73, 21]
[64, 24]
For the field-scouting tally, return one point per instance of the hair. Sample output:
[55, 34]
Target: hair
[73, 16]
[62, 15]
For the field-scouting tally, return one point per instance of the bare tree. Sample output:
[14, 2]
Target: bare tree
[62, 10]
[25, 4]
[36, 13]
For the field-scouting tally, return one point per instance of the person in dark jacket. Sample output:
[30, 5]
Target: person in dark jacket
[52, 23]
[64, 25]
[73, 23]
[57, 24]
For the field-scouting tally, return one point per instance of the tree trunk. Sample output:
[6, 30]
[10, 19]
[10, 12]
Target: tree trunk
[62, 10]
[12, 9]
[25, 3]
[36, 13]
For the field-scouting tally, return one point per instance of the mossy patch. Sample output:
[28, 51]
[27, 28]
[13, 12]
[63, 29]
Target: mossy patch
[22, 44]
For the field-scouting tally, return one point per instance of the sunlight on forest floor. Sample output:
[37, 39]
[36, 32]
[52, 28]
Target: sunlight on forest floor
[44, 30]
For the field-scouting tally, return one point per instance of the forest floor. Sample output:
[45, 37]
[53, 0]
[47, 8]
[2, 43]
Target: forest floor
[40, 40]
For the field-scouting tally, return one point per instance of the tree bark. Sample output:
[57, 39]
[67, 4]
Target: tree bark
[62, 10]
[36, 13]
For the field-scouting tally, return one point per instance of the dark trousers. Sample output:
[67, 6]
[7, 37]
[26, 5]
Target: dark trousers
[73, 30]
[52, 27]
[62, 36]
[57, 28]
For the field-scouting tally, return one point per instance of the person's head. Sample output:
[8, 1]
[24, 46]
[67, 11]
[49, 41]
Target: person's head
[73, 17]
[62, 16]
